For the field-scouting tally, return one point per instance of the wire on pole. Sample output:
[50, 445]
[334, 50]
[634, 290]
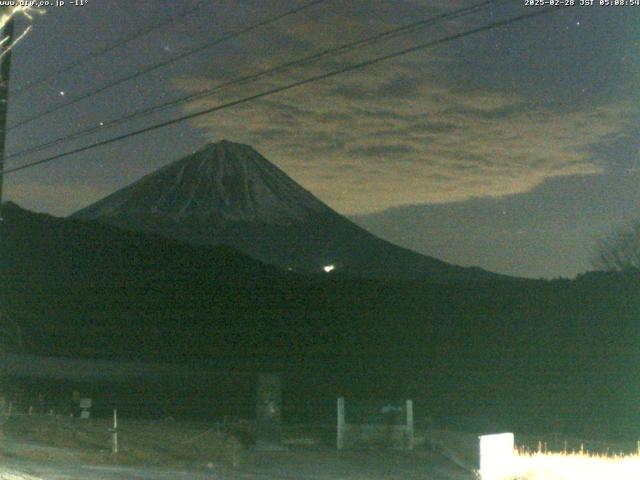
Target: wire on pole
[109, 48]
[164, 63]
[284, 88]
[310, 59]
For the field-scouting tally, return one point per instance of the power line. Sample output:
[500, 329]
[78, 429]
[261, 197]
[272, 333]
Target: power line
[98, 53]
[346, 47]
[164, 63]
[290, 86]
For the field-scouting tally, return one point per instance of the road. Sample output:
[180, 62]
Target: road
[289, 465]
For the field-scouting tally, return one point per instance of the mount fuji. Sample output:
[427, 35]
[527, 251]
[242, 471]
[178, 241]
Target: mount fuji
[227, 193]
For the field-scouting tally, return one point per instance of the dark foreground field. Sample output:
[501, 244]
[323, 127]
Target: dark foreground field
[51, 448]
[536, 356]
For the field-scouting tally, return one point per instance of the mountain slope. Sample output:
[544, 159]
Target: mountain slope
[222, 181]
[96, 289]
[529, 351]
[227, 193]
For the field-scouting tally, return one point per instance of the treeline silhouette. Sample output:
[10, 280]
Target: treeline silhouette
[542, 356]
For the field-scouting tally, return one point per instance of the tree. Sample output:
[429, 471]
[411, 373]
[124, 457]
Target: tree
[10, 341]
[619, 251]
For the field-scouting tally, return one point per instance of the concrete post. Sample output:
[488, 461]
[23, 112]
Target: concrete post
[341, 424]
[410, 431]
[114, 438]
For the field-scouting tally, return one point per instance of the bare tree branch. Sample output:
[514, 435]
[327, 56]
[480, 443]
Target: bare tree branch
[619, 251]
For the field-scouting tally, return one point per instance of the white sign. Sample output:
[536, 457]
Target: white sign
[497, 456]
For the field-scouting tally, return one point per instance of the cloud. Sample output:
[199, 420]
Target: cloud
[404, 133]
[54, 198]
[384, 151]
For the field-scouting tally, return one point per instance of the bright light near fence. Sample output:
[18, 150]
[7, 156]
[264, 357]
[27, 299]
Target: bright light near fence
[329, 268]
[499, 461]
[497, 456]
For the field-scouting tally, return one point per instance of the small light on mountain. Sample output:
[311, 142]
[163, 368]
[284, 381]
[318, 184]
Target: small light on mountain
[329, 268]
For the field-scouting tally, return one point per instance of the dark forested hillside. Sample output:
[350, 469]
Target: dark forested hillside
[503, 350]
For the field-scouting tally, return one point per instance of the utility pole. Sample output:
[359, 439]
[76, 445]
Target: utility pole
[5, 68]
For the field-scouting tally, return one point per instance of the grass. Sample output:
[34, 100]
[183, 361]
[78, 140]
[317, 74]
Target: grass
[148, 443]
[16, 476]
[179, 445]
[539, 464]
[575, 466]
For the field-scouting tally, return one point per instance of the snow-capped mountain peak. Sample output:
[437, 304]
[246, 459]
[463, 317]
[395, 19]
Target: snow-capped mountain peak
[227, 193]
[225, 179]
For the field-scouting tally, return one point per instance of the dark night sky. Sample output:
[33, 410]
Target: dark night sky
[510, 149]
